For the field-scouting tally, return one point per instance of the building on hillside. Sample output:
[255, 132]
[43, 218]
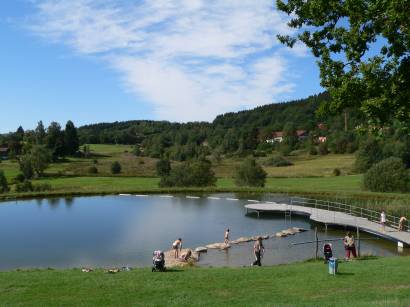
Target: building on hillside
[4, 152]
[302, 135]
[277, 137]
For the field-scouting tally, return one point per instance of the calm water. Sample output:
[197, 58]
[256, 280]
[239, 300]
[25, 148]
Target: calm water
[107, 231]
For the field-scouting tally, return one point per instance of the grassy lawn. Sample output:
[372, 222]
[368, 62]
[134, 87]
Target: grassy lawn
[376, 282]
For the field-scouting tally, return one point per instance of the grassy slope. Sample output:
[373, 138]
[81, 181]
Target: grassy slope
[104, 155]
[380, 282]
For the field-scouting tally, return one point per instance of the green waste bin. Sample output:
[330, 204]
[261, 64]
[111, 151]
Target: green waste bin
[332, 263]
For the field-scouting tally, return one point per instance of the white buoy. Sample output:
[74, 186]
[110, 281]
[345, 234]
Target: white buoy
[400, 244]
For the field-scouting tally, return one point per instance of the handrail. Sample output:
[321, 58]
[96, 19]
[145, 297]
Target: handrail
[371, 215]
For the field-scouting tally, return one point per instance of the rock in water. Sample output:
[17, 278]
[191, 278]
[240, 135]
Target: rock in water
[201, 249]
[218, 246]
[241, 240]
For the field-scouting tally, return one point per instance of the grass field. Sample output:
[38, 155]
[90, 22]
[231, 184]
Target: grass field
[304, 165]
[375, 282]
[103, 155]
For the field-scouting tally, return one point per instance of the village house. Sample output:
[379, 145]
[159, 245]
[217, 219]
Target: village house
[322, 139]
[4, 152]
[277, 136]
[302, 135]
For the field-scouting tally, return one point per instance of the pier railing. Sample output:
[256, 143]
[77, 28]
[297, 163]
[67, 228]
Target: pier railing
[371, 215]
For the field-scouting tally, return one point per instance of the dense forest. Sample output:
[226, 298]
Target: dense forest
[231, 133]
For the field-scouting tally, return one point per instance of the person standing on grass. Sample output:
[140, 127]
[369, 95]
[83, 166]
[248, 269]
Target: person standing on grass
[401, 223]
[258, 250]
[383, 220]
[177, 247]
[226, 238]
[349, 245]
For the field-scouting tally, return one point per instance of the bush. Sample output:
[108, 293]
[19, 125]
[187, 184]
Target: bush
[95, 161]
[194, 174]
[259, 153]
[369, 153]
[163, 167]
[336, 172]
[322, 149]
[92, 170]
[312, 150]
[42, 187]
[285, 149]
[278, 161]
[116, 167]
[251, 174]
[20, 177]
[389, 175]
[4, 187]
[25, 186]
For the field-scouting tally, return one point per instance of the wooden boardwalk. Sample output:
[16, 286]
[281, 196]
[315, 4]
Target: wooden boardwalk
[328, 217]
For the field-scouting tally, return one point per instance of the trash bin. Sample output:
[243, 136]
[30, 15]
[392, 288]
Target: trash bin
[332, 266]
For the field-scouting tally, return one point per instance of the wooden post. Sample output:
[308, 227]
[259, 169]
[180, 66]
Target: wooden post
[317, 243]
[358, 241]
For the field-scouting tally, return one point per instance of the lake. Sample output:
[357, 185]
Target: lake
[108, 231]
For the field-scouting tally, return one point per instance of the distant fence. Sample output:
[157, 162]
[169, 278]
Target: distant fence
[371, 215]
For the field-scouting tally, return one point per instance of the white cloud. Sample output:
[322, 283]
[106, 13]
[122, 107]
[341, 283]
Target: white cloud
[192, 59]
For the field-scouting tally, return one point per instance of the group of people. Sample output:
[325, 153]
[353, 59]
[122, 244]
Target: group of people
[348, 244]
[383, 221]
[259, 249]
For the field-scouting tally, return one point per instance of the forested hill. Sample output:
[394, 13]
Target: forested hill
[274, 116]
[265, 119]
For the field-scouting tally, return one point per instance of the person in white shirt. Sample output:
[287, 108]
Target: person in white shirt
[226, 238]
[177, 246]
[383, 220]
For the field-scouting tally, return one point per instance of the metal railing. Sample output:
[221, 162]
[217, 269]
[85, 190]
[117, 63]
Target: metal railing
[371, 215]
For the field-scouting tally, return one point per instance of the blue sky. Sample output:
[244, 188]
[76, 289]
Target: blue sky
[180, 60]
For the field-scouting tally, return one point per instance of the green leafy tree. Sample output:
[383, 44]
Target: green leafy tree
[4, 187]
[250, 173]
[40, 157]
[55, 140]
[163, 167]
[26, 166]
[369, 153]
[71, 142]
[202, 174]
[340, 34]
[20, 133]
[40, 133]
[115, 167]
[290, 138]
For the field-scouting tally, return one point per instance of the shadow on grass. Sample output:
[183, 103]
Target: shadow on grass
[344, 274]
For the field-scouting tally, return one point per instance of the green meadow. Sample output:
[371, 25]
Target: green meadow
[372, 282]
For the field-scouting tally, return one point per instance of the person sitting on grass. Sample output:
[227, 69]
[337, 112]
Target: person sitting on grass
[177, 247]
[349, 245]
